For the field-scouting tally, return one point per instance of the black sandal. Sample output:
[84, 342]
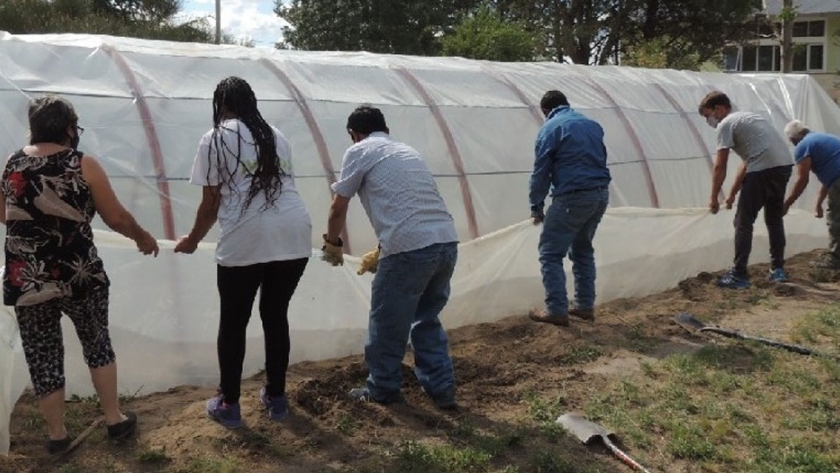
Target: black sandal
[59, 446]
[125, 428]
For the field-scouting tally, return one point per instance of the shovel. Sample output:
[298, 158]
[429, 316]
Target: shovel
[587, 431]
[690, 323]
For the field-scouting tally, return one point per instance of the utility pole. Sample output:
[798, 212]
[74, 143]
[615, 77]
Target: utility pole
[786, 47]
[219, 21]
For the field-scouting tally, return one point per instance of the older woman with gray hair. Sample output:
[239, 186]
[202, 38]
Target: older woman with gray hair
[820, 153]
[50, 193]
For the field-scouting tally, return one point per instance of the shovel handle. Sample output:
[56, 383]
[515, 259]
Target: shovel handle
[623, 456]
[766, 341]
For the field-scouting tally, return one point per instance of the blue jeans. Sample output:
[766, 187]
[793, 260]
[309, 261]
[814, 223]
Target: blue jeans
[409, 291]
[569, 227]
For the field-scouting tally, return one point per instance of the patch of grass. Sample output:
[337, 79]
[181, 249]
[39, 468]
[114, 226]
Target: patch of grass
[494, 444]
[212, 464]
[153, 456]
[346, 424]
[636, 338]
[731, 408]
[415, 457]
[689, 442]
[549, 462]
[33, 421]
[758, 297]
[259, 443]
[92, 399]
[578, 354]
[821, 327]
[70, 468]
[542, 409]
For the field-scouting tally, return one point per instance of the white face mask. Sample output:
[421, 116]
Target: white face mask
[712, 121]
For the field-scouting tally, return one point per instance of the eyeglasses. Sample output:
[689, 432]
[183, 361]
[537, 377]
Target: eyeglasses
[79, 130]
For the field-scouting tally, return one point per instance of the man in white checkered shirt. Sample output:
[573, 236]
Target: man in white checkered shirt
[417, 250]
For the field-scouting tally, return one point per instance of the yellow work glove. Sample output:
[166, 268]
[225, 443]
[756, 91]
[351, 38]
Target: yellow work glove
[369, 262]
[333, 253]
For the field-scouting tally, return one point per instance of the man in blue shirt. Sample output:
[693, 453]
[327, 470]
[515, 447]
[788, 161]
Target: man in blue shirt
[818, 152]
[571, 161]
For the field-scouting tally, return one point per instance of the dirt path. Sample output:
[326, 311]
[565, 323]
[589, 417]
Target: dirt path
[511, 375]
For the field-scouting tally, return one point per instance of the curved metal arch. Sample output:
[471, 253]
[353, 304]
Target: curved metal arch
[314, 129]
[691, 126]
[634, 138]
[454, 154]
[151, 136]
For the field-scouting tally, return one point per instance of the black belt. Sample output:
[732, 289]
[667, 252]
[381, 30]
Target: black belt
[577, 191]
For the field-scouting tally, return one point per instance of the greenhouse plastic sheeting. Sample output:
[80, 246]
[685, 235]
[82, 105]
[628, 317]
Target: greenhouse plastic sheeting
[11, 358]
[145, 104]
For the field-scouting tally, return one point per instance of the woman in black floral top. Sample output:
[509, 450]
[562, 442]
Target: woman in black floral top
[50, 194]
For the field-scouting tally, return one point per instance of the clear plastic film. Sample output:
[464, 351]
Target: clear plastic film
[145, 104]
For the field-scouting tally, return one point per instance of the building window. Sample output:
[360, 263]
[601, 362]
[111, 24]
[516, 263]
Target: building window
[765, 58]
[815, 57]
[816, 29]
[809, 29]
[807, 57]
[800, 58]
[748, 58]
[730, 58]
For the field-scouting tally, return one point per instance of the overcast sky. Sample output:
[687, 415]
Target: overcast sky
[244, 19]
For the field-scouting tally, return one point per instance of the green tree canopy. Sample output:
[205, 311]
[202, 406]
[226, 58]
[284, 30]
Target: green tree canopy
[382, 26]
[679, 33]
[150, 19]
[484, 34]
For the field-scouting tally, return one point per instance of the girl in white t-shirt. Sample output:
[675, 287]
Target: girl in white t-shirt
[244, 166]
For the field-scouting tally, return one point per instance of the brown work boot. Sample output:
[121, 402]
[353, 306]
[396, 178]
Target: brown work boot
[583, 314]
[545, 317]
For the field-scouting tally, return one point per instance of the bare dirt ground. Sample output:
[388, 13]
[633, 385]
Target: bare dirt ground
[514, 377]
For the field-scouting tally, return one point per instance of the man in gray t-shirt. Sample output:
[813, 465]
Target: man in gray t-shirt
[762, 179]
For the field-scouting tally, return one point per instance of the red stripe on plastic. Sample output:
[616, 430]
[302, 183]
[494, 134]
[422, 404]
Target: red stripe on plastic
[691, 126]
[634, 138]
[535, 110]
[312, 124]
[151, 137]
[454, 154]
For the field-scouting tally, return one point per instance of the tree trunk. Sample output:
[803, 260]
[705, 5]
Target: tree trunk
[786, 46]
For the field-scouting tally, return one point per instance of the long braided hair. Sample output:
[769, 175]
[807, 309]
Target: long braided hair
[234, 97]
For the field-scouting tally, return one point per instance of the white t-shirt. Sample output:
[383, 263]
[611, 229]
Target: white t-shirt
[280, 232]
[755, 140]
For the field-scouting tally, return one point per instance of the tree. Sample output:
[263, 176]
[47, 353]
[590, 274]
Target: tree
[659, 54]
[484, 35]
[787, 15]
[151, 19]
[602, 31]
[684, 32]
[696, 27]
[382, 26]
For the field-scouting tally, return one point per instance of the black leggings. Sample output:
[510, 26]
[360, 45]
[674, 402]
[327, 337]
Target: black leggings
[238, 286]
[43, 343]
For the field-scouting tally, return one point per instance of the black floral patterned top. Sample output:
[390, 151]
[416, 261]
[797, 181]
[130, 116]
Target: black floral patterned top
[49, 241]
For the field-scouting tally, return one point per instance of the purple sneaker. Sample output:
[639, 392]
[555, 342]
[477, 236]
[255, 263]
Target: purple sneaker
[226, 414]
[278, 407]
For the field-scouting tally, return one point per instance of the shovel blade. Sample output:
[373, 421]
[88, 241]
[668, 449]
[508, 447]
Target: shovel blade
[586, 431]
[689, 322]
